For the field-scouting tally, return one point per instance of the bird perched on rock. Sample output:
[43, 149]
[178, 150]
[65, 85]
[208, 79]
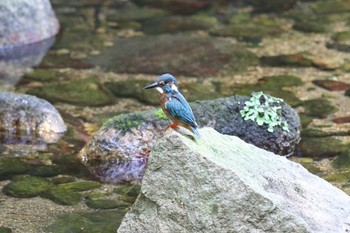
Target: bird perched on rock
[174, 104]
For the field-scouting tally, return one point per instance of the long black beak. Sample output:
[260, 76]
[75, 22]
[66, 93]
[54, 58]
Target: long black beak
[153, 85]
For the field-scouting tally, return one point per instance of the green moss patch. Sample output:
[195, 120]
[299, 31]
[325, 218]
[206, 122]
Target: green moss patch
[85, 92]
[27, 186]
[12, 166]
[106, 221]
[106, 204]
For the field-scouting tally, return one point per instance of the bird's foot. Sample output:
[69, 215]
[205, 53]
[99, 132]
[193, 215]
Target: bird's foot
[173, 126]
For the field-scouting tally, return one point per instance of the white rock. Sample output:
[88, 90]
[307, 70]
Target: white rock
[222, 184]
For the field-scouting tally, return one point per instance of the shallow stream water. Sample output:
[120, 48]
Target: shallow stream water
[108, 50]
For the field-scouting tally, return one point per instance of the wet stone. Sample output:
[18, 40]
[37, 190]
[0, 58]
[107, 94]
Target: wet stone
[341, 120]
[338, 177]
[315, 26]
[5, 230]
[342, 37]
[347, 93]
[62, 179]
[79, 186]
[338, 46]
[43, 170]
[84, 92]
[318, 108]
[27, 186]
[42, 75]
[323, 147]
[12, 166]
[343, 160]
[247, 28]
[128, 190]
[332, 85]
[127, 11]
[63, 196]
[106, 204]
[330, 7]
[106, 221]
[272, 85]
[272, 6]
[177, 6]
[290, 60]
[28, 119]
[177, 54]
[173, 24]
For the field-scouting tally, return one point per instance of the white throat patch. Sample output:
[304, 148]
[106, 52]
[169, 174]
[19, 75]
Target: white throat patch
[159, 89]
[174, 87]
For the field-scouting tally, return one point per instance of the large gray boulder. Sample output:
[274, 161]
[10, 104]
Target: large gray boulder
[24, 22]
[28, 119]
[222, 184]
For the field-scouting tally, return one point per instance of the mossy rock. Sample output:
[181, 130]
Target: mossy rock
[93, 222]
[27, 186]
[330, 7]
[305, 120]
[318, 108]
[347, 93]
[123, 123]
[182, 54]
[80, 186]
[129, 190]
[338, 177]
[106, 204]
[311, 26]
[341, 37]
[272, 85]
[173, 24]
[12, 166]
[287, 60]
[134, 89]
[5, 230]
[343, 160]
[324, 147]
[63, 179]
[84, 92]
[250, 32]
[312, 168]
[43, 170]
[63, 196]
[42, 75]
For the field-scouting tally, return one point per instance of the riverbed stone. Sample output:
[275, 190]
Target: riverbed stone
[12, 166]
[63, 196]
[106, 204]
[27, 186]
[312, 108]
[331, 85]
[173, 24]
[178, 54]
[97, 221]
[177, 6]
[28, 118]
[83, 92]
[25, 22]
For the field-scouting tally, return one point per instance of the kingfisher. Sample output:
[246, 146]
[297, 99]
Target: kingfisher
[174, 104]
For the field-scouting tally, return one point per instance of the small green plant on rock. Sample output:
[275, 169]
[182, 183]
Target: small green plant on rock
[264, 109]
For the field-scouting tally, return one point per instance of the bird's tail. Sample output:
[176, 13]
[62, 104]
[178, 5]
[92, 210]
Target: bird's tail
[195, 131]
